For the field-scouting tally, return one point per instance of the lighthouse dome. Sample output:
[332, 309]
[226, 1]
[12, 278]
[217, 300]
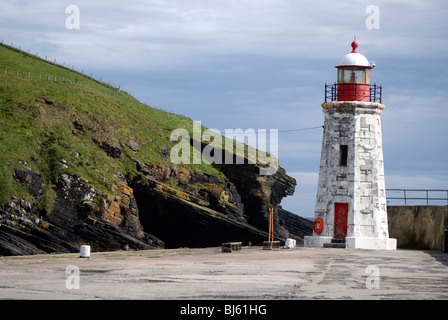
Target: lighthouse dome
[354, 58]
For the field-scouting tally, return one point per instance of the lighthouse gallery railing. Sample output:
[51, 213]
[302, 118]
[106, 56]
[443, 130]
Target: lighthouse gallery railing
[375, 92]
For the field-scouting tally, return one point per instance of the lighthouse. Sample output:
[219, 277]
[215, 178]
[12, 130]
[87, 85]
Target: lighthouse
[351, 208]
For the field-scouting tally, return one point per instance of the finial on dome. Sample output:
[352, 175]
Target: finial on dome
[354, 46]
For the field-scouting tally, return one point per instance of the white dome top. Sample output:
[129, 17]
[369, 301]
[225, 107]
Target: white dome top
[354, 58]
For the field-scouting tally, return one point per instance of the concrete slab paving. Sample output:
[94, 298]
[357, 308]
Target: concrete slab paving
[252, 273]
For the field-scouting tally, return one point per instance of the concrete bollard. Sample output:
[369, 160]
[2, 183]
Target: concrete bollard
[290, 243]
[84, 252]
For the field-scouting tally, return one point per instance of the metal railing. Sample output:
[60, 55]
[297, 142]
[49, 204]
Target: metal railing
[375, 92]
[331, 92]
[418, 196]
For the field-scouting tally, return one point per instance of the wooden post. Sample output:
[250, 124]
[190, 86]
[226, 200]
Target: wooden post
[269, 234]
[271, 225]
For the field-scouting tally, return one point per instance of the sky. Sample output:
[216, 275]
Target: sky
[262, 64]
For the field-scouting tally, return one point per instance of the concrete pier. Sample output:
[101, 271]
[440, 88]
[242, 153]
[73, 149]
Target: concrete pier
[252, 273]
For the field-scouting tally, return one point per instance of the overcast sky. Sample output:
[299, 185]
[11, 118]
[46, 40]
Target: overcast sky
[262, 64]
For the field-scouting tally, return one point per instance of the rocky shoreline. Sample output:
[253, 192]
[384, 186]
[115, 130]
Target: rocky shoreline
[161, 207]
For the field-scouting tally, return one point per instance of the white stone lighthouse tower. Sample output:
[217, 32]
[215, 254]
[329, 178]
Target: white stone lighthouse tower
[351, 208]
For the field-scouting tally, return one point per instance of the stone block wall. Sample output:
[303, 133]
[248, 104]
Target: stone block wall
[419, 227]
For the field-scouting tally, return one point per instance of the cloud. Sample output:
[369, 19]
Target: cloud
[416, 181]
[270, 28]
[173, 29]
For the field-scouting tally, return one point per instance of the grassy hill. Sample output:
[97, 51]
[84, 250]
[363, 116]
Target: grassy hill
[52, 120]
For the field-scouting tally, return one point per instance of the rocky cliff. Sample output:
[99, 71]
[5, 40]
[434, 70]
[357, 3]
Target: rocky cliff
[159, 207]
[201, 210]
[80, 215]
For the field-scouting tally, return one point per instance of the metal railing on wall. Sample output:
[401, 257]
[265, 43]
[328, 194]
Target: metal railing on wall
[417, 196]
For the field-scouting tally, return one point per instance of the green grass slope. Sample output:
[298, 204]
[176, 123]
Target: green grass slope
[39, 102]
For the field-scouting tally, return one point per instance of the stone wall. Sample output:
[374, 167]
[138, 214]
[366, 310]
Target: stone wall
[419, 227]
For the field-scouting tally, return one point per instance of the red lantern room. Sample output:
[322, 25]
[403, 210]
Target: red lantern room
[354, 77]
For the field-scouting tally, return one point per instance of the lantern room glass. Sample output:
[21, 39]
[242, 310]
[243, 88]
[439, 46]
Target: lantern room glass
[353, 75]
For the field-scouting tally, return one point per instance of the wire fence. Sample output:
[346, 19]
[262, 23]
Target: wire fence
[417, 197]
[70, 76]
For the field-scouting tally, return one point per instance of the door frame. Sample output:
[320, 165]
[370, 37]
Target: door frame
[340, 220]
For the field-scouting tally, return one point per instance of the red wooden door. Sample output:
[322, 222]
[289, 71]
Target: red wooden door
[340, 220]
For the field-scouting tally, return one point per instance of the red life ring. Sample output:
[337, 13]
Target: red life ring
[318, 225]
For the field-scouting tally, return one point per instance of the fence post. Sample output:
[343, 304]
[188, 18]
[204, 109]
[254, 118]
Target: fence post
[325, 92]
[334, 92]
[404, 195]
[381, 93]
